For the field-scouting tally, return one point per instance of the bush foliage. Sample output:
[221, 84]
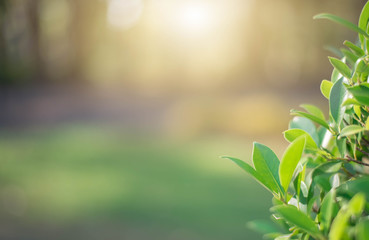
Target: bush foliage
[320, 186]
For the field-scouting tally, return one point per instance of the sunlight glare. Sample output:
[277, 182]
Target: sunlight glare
[195, 17]
[124, 14]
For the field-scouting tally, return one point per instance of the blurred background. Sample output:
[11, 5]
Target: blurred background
[113, 113]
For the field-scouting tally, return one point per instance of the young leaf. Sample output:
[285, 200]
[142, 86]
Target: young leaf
[355, 49]
[350, 57]
[367, 124]
[351, 187]
[355, 207]
[267, 164]
[357, 110]
[292, 134]
[314, 110]
[298, 183]
[341, 145]
[292, 215]
[326, 210]
[361, 66]
[363, 21]
[362, 230]
[361, 93]
[335, 75]
[328, 167]
[250, 170]
[325, 88]
[356, 204]
[342, 22]
[336, 99]
[334, 50]
[306, 125]
[351, 130]
[339, 225]
[350, 101]
[290, 159]
[341, 67]
[311, 117]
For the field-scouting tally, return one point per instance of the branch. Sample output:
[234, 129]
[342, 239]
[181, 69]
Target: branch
[362, 151]
[349, 159]
[365, 140]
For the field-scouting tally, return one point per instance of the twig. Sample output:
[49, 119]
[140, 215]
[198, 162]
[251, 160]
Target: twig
[349, 159]
[356, 161]
[362, 151]
[365, 140]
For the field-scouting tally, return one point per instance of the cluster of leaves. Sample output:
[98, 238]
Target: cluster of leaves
[320, 186]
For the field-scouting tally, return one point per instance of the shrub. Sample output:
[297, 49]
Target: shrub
[320, 187]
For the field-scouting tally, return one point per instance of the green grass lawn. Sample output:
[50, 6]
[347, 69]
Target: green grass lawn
[93, 183]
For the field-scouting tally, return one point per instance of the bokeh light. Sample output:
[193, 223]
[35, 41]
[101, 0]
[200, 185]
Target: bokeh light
[124, 14]
[195, 17]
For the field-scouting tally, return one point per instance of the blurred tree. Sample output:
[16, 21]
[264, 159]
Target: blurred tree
[41, 43]
[3, 4]
[33, 13]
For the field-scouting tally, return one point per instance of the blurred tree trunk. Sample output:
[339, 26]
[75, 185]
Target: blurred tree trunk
[33, 12]
[78, 36]
[3, 57]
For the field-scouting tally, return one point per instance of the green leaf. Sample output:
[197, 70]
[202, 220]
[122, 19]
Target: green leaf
[336, 99]
[351, 58]
[292, 134]
[306, 125]
[300, 186]
[290, 159]
[311, 117]
[334, 50]
[324, 137]
[350, 188]
[351, 130]
[355, 207]
[328, 167]
[363, 21]
[361, 93]
[335, 75]
[356, 204]
[361, 66]
[362, 229]
[341, 67]
[326, 210]
[367, 124]
[250, 170]
[357, 110]
[267, 164]
[325, 88]
[292, 215]
[355, 49]
[341, 145]
[339, 224]
[311, 199]
[266, 167]
[323, 181]
[350, 101]
[342, 22]
[323, 173]
[314, 110]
